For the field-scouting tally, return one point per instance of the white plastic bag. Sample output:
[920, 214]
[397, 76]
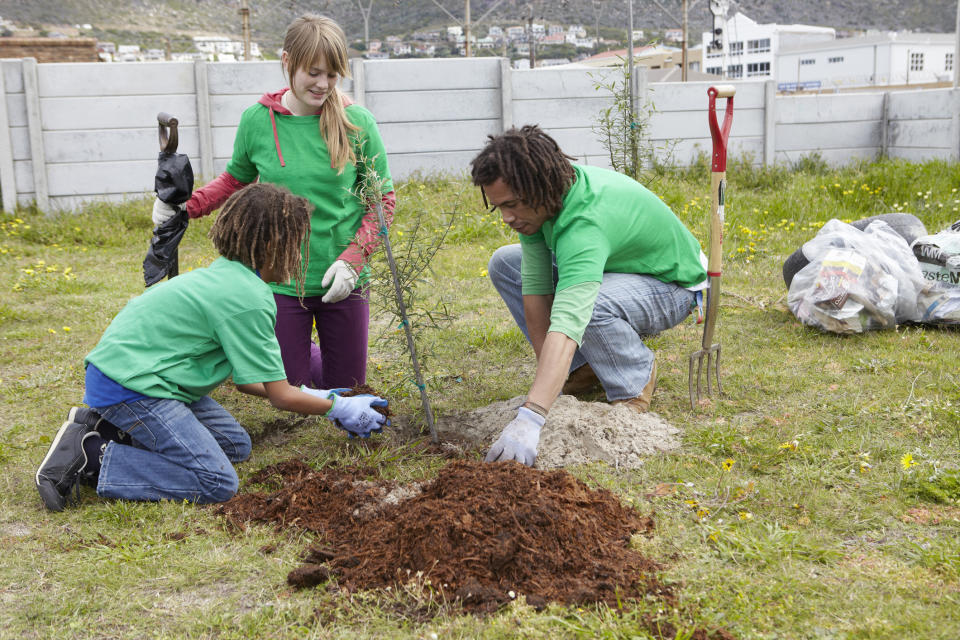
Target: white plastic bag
[856, 280]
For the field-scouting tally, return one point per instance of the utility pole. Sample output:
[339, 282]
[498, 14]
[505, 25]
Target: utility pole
[466, 28]
[683, 55]
[531, 41]
[245, 20]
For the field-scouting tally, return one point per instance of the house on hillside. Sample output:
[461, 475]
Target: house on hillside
[749, 49]
[652, 57]
[874, 59]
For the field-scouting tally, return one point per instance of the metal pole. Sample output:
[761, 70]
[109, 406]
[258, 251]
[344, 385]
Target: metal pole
[245, 20]
[466, 28]
[683, 55]
[630, 56]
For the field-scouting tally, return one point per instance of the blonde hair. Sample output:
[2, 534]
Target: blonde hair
[311, 38]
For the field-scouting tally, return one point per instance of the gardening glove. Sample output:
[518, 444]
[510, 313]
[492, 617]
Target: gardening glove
[322, 393]
[356, 415]
[344, 279]
[519, 439]
[163, 211]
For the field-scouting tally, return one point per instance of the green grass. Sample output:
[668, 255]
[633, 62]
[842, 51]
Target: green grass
[816, 498]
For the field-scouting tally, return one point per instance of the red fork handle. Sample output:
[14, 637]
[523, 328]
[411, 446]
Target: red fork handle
[720, 134]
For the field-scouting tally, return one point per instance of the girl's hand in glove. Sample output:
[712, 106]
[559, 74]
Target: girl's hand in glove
[344, 279]
[519, 439]
[322, 393]
[163, 211]
[356, 414]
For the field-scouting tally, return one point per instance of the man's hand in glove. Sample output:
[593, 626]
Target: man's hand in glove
[519, 439]
[356, 414]
[163, 211]
[344, 279]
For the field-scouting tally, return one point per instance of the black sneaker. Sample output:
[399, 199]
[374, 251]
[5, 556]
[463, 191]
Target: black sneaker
[107, 430]
[60, 469]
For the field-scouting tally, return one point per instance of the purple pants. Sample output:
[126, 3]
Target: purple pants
[339, 357]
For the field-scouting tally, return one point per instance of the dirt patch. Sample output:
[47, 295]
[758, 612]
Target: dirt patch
[575, 432]
[479, 534]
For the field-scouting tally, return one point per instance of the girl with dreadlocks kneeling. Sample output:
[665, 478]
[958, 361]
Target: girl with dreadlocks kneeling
[150, 374]
[311, 139]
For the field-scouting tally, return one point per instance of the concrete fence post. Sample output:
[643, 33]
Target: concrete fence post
[204, 130]
[38, 158]
[769, 123]
[885, 125]
[8, 179]
[955, 95]
[506, 94]
[359, 82]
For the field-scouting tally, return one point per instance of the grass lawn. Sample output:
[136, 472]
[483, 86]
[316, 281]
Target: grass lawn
[816, 498]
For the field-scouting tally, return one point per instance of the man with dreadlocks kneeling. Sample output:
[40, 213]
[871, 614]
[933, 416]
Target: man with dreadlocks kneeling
[602, 263]
[148, 378]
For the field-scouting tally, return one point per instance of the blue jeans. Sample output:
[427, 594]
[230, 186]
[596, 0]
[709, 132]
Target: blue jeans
[181, 451]
[629, 307]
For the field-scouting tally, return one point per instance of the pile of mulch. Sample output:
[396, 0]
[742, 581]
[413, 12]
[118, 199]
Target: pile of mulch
[482, 534]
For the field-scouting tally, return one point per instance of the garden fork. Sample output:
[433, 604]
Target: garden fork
[710, 350]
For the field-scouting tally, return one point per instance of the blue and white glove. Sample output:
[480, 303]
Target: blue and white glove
[356, 415]
[519, 439]
[344, 279]
[322, 393]
[163, 211]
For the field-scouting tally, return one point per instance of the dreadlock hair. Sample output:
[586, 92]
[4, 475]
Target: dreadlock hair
[530, 162]
[264, 226]
[312, 39]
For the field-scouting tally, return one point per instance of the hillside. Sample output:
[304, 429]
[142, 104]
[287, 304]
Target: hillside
[270, 17]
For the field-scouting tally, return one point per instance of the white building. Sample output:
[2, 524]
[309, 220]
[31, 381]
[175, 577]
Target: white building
[516, 33]
[748, 49]
[879, 59]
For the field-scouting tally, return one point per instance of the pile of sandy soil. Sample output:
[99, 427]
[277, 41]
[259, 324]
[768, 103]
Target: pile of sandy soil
[575, 432]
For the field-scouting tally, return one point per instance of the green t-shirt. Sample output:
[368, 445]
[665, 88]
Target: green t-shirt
[183, 337]
[609, 223]
[307, 172]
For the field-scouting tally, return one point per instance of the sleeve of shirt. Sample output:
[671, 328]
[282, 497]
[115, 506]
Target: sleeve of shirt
[582, 253]
[572, 310]
[240, 166]
[367, 238]
[536, 268]
[209, 197]
[250, 345]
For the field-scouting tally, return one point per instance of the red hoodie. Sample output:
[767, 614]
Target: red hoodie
[211, 196]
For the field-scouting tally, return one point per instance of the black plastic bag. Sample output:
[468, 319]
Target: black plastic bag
[174, 185]
[174, 180]
[162, 257]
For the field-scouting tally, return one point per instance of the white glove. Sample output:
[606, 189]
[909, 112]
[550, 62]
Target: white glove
[163, 211]
[519, 439]
[344, 279]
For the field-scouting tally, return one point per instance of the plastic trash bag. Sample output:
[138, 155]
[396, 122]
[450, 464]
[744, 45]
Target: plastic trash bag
[173, 183]
[907, 225]
[856, 280]
[162, 255]
[939, 259]
[174, 179]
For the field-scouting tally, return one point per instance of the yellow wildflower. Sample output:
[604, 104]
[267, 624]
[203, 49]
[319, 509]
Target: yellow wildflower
[728, 464]
[907, 461]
